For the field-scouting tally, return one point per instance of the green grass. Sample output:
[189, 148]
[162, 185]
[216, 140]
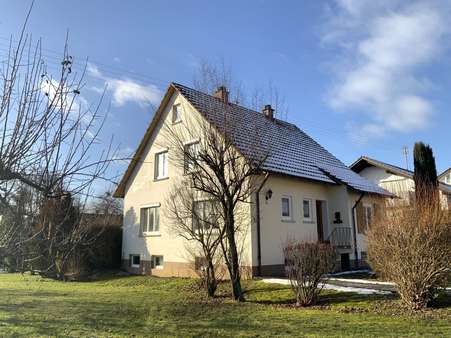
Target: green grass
[148, 306]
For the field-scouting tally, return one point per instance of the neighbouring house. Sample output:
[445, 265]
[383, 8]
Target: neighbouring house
[399, 181]
[308, 194]
[445, 177]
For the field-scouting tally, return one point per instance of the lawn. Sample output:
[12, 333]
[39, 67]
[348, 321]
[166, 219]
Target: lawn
[149, 306]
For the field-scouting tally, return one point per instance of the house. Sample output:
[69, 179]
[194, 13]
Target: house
[397, 180]
[445, 176]
[308, 194]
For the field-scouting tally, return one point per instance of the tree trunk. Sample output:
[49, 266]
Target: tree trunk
[212, 283]
[233, 261]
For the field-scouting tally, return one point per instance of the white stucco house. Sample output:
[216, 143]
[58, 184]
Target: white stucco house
[445, 176]
[308, 194]
[399, 181]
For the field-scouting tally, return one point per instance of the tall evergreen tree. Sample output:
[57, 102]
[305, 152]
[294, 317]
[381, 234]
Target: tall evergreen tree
[425, 174]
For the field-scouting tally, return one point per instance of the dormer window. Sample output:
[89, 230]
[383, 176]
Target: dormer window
[176, 113]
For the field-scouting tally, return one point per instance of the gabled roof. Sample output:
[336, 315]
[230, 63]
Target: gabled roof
[443, 174]
[365, 162]
[291, 151]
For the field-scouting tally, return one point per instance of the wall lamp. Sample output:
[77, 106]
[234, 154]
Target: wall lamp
[268, 194]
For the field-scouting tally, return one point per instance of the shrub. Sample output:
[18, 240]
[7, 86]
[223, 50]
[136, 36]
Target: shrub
[411, 246]
[306, 264]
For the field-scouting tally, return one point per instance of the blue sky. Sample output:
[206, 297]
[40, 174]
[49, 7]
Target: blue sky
[360, 78]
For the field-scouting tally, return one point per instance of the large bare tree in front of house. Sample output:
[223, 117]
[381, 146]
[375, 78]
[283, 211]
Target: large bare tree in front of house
[218, 170]
[48, 136]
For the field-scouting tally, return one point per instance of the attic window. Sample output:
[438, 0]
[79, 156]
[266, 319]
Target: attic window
[176, 113]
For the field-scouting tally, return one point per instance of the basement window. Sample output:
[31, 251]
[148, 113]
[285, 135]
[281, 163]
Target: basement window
[135, 261]
[157, 262]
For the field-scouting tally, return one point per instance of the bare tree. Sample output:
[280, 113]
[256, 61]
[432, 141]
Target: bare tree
[218, 170]
[48, 135]
[197, 218]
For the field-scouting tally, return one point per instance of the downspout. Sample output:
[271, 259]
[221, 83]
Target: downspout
[259, 246]
[354, 230]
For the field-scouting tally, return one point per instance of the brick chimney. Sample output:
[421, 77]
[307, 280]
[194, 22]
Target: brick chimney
[222, 94]
[268, 112]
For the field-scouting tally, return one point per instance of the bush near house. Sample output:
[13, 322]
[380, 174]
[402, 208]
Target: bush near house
[306, 264]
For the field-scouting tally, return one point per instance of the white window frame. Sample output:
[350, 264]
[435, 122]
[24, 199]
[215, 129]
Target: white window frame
[157, 175]
[186, 145]
[176, 113]
[131, 260]
[290, 208]
[156, 219]
[160, 266]
[310, 203]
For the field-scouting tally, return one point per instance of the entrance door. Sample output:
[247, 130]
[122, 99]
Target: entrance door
[320, 221]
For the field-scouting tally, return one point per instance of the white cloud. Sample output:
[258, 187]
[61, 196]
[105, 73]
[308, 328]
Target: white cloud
[383, 46]
[126, 90]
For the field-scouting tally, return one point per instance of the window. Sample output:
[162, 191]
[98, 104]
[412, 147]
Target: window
[135, 261]
[307, 209]
[161, 165]
[191, 152]
[157, 262]
[205, 216]
[176, 113]
[150, 220]
[286, 208]
[368, 215]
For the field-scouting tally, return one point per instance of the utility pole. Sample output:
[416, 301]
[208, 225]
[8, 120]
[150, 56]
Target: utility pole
[405, 151]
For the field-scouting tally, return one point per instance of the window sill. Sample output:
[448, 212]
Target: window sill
[135, 266]
[160, 267]
[288, 220]
[308, 221]
[177, 122]
[152, 234]
[157, 179]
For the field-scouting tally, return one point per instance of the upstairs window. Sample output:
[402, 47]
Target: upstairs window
[176, 113]
[161, 165]
[286, 208]
[205, 215]
[191, 153]
[150, 220]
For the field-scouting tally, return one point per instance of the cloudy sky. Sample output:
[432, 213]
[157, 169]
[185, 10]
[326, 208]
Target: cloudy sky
[361, 78]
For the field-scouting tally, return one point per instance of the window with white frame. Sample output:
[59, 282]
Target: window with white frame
[176, 113]
[161, 164]
[287, 213]
[368, 215]
[307, 209]
[205, 215]
[150, 220]
[135, 261]
[191, 152]
[157, 262]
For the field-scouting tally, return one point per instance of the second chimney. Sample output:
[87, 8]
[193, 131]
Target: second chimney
[268, 112]
[222, 94]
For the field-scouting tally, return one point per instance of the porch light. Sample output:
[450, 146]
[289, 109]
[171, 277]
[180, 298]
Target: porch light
[268, 194]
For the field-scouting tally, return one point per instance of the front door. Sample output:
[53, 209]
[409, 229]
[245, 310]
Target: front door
[320, 221]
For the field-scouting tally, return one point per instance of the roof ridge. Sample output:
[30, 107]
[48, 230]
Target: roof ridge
[234, 104]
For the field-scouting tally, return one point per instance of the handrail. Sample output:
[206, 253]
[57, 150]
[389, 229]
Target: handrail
[340, 237]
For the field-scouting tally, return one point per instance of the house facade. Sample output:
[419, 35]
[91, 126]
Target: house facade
[399, 181]
[305, 192]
